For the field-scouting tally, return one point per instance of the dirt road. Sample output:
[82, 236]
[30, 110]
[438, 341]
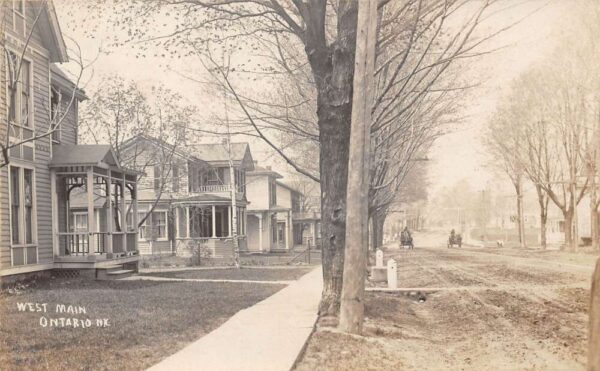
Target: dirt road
[498, 308]
[483, 309]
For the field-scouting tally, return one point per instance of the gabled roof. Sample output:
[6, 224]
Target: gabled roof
[51, 34]
[60, 78]
[259, 170]
[287, 187]
[83, 155]
[218, 154]
[131, 142]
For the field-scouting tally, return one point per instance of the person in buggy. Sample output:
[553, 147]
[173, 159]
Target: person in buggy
[454, 239]
[406, 239]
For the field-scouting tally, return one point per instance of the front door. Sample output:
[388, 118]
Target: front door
[280, 243]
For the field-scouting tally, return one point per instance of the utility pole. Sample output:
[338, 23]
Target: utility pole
[357, 215]
[232, 188]
[233, 221]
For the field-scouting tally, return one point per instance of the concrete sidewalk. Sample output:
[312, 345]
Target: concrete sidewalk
[266, 336]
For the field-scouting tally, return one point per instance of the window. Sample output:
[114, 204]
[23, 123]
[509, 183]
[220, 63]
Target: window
[20, 93]
[159, 224]
[272, 193]
[175, 175]
[19, 6]
[80, 222]
[22, 215]
[215, 176]
[15, 184]
[142, 231]
[55, 113]
[157, 178]
[28, 204]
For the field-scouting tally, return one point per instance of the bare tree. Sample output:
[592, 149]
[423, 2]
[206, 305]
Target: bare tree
[505, 142]
[119, 113]
[314, 42]
[17, 123]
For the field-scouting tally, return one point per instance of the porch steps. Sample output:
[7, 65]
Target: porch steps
[113, 272]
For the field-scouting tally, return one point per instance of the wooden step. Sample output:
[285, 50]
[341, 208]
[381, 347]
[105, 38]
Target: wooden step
[112, 273]
[120, 272]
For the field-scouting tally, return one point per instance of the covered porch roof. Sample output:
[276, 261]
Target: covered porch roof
[206, 199]
[97, 155]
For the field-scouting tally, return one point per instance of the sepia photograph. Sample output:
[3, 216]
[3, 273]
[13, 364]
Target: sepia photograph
[300, 185]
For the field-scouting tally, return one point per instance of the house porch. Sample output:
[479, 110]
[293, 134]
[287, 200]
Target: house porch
[94, 204]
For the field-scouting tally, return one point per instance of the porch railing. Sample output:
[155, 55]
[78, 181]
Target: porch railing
[78, 243]
[131, 241]
[117, 243]
[213, 188]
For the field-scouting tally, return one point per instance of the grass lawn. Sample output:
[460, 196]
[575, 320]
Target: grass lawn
[255, 274]
[148, 322]
[293, 258]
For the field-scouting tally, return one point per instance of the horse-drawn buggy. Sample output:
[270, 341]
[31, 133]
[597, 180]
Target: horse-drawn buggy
[406, 240]
[455, 240]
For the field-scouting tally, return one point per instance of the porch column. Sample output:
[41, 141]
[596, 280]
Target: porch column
[214, 222]
[124, 214]
[55, 240]
[260, 232]
[109, 215]
[134, 196]
[177, 210]
[187, 222]
[290, 230]
[244, 217]
[230, 221]
[287, 231]
[91, 216]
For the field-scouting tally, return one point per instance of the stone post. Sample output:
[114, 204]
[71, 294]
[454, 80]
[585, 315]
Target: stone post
[392, 274]
[379, 258]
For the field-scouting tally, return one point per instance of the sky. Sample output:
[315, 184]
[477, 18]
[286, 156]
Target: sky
[460, 154]
[455, 156]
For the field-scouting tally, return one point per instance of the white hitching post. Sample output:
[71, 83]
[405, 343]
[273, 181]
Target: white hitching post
[392, 274]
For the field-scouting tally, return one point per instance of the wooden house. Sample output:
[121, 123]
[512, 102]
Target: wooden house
[47, 175]
[185, 196]
[276, 219]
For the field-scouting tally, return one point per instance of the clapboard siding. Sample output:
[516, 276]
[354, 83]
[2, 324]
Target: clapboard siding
[4, 218]
[37, 54]
[68, 126]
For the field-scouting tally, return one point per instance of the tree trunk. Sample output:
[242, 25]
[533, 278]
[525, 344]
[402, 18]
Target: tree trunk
[543, 231]
[378, 227]
[377, 221]
[594, 326]
[568, 215]
[543, 202]
[333, 70]
[594, 228]
[520, 217]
